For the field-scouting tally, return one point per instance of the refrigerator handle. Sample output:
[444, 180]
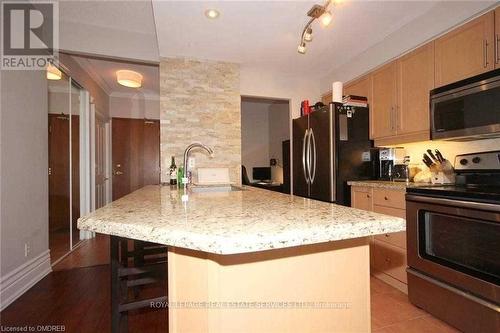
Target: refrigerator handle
[304, 152]
[309, 156]
[311, 134]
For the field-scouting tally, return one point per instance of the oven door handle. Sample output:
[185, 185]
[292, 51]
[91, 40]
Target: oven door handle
[454, 203]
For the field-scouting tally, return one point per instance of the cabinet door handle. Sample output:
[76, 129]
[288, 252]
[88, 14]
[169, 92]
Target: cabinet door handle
[496, 48]
[392, 118]
[386, 198]
[368, 196]
[396, 118]
[485, 53]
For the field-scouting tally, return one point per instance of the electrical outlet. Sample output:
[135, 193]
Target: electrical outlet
[191, 162]
[27, 249]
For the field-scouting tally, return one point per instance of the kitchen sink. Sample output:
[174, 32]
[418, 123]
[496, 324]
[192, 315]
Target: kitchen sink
[214, 188]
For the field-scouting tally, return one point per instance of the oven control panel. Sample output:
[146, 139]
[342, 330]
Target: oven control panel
[478, 161]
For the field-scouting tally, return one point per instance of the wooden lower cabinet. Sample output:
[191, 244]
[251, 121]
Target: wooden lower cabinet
[361, 198]
[387, 251]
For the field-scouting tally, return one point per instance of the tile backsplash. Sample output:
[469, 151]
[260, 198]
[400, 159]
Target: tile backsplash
[449, 149]
[200, 102]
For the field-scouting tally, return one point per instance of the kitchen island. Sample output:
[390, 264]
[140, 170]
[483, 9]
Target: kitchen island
[254, 260]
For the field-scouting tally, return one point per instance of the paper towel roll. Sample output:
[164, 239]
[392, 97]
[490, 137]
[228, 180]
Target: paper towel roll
[337, 92]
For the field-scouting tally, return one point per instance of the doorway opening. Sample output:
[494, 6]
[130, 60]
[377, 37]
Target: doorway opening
[265, 143]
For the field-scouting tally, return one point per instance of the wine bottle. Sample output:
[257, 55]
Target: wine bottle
[173, 172]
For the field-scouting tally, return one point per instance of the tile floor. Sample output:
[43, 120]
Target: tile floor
[393, 313]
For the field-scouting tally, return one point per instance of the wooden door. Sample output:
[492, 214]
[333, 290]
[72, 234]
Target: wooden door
[362, 87]
[384, 99]
[416, 79]
[496, 53]
[100, 162]
[59, 175]
[465, 51]
[136, 154]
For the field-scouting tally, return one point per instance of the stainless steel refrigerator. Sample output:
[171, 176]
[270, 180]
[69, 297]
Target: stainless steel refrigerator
[330, 147]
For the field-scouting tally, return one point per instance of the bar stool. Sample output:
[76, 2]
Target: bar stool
[132, 269]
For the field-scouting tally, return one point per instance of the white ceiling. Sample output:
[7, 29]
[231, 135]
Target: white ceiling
[124, 29]
[260, 34]
[266, 33]
[104, 73]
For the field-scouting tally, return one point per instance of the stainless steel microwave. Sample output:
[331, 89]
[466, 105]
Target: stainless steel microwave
[468, 109]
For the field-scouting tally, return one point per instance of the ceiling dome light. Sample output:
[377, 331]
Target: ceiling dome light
[212, 13]
[302, 48]
[53, 73]
[308, 36]
[326, 18]
[129, 79]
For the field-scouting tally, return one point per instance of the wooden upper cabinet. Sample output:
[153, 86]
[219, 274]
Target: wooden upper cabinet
[465, 51]
[362, 87]
[359, 87]
[384, 99]
[416, 79]
[496, 53]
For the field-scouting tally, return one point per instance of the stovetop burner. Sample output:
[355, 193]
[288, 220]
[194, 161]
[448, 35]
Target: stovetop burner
[478, 179]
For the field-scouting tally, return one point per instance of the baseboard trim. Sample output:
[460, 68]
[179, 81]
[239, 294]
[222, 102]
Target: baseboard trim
[18, 281]
[390, 281]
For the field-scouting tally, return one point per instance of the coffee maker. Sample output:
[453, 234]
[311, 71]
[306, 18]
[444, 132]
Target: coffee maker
[388, 158]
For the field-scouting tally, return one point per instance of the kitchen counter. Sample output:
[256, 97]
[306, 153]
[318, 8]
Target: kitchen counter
[401, 186]
[253, 260]
[233, 222]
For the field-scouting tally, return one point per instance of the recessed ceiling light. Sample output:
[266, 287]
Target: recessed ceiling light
[212, 13]
[129, 79]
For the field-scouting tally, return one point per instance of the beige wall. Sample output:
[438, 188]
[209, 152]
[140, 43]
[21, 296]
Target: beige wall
[24, 160]
[101, 98]
[200, 102]
[135, 106]
[256, 82]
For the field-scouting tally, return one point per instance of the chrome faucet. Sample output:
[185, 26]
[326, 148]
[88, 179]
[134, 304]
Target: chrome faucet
[186, 157]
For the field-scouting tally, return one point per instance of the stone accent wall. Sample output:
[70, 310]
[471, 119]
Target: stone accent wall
[200, 102]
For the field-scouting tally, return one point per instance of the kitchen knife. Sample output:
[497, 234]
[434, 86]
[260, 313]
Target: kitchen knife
[431, 154]
[426, 163]
[428, 159]
[439, 156]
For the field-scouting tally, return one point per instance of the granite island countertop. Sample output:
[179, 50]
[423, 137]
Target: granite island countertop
[234, 222]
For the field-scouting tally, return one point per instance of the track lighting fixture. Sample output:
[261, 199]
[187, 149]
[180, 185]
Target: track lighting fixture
[308, 36]
[320, 12]
[302, 48]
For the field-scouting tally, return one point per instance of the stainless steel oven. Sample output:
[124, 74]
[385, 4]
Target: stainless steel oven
[468, 109]
[453, 245]
[454, 260]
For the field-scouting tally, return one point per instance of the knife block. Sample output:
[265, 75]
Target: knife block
[443, 173]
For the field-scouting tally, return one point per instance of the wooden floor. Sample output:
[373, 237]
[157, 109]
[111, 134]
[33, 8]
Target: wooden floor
[77, 294]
